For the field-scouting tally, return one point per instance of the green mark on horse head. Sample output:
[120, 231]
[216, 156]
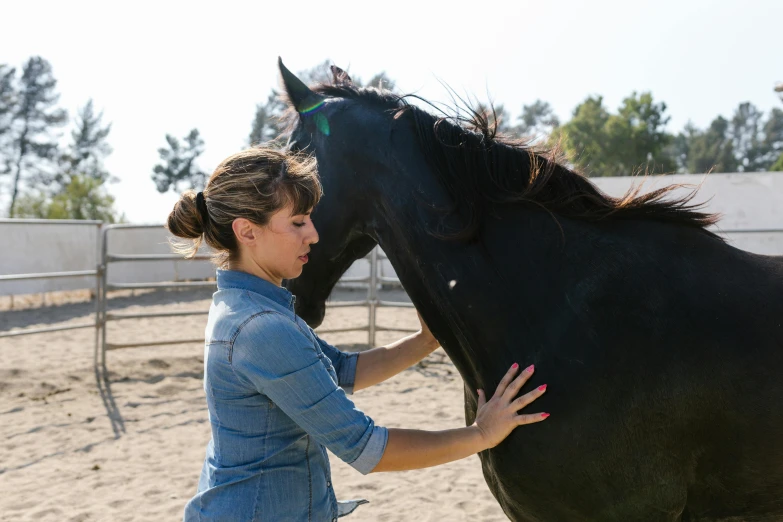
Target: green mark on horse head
[322, 123]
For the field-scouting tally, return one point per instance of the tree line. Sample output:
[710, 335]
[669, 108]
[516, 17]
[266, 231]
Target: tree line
[634, 138]
[41, 176]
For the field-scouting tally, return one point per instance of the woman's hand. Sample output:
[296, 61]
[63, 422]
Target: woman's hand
[416, 449]
[497, 418]
[425, 333]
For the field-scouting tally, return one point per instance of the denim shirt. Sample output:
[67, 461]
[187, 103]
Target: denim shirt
[276, 395]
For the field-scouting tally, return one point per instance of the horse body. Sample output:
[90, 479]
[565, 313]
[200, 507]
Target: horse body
[661, 345]
[653, 388]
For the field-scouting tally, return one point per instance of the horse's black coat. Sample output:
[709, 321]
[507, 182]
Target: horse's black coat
[662, 346]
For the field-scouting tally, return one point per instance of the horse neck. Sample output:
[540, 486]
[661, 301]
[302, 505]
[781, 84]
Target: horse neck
[458, 288]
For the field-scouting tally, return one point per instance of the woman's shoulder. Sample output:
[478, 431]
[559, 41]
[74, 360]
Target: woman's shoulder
[234, 311]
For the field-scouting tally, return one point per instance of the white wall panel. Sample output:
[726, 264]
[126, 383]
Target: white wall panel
[38, 246]
[150, 241]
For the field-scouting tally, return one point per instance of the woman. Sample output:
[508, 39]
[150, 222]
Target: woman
[276, 392]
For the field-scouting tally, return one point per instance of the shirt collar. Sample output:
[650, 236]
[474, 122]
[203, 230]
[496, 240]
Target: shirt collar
[245, 281]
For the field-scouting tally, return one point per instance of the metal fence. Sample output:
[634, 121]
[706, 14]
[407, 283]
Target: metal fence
[371, 302]
[105, 316]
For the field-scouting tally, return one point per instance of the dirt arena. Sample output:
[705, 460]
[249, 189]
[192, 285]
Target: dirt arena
[131, 449]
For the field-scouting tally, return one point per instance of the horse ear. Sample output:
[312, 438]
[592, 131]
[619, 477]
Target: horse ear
[302, 98]
[339, 76]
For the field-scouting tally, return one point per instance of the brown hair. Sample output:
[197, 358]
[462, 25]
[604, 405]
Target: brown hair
[252, 184]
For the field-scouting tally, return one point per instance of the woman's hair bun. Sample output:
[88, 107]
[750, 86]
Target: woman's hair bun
[185, 220]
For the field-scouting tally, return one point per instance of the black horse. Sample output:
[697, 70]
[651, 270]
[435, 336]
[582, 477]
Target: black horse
[662, 345]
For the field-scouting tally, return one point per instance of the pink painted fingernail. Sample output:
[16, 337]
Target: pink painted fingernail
[530, 368]
[515, 366]
[545, 415]
[542, 387]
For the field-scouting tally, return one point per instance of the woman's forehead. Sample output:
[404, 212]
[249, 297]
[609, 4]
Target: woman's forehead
[288, 211]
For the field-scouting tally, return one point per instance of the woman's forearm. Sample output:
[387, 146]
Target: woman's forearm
[416, 449]
[378, 364]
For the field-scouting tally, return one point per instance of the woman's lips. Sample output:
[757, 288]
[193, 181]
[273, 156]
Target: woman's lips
[303, 258]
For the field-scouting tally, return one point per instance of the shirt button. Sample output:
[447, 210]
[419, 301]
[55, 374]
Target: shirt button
[328, 484]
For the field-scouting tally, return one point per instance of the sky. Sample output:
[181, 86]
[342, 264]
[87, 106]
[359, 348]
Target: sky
[165, 67]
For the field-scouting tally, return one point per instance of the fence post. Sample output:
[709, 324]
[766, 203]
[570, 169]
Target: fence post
[104, 281]
[98, 278]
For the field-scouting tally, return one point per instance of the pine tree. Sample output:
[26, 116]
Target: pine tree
[179, 163]
[746, 137]
[537, 121]
[267, 124]
[35, 118]
[772, 142]
[88, 147]
[7, 106]
[707, 151]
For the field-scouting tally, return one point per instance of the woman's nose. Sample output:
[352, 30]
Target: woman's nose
[313, 238]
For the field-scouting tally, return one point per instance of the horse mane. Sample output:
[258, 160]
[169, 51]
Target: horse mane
[481, 168]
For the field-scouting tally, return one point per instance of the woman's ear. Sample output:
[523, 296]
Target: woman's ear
[244, 231]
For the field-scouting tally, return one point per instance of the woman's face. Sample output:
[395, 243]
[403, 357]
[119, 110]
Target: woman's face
[279, 249]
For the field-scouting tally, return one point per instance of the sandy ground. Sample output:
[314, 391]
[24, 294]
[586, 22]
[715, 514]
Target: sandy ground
[79, 448]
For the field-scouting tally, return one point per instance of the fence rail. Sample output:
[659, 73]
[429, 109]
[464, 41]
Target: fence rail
[105, 316]
[47, 275]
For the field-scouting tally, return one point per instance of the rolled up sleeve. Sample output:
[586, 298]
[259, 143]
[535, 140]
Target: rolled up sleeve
[344, 364]
[373, 451]
[279, 360]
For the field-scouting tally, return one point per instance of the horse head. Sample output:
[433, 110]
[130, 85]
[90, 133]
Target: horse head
[342, 127]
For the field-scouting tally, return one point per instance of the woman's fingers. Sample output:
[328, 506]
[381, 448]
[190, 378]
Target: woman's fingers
[527, 398]
[531, 418]
[517, 384]
[506, 380]
[482, 400]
